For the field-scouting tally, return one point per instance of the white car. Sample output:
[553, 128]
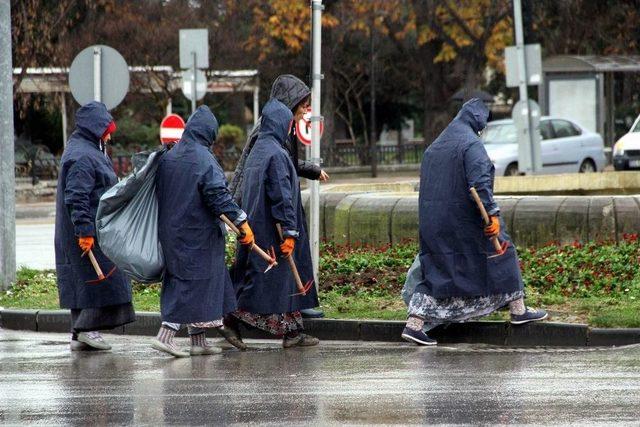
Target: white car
[626, 152]
[566, 147]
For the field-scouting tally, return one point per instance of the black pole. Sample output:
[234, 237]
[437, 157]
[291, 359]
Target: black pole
[372, 140]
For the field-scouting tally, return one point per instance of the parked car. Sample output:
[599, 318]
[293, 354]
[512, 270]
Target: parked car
[626, 152]
[566, 147]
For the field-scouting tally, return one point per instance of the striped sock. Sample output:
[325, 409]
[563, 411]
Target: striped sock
[199, 340]
[166, 335]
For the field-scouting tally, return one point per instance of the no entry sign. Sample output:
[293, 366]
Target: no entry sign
[171, 129]
[303, 128]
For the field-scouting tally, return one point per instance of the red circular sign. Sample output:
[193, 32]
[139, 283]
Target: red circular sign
[303, 128]
[171, 129]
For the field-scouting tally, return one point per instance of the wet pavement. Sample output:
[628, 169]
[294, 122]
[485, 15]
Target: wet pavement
[335, 383]
[34, 243]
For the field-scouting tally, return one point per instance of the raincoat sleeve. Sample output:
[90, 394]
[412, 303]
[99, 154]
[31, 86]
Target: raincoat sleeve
[308, 170]
[217, 197]
[238, 175]
[79, 184]
[280, 191]
[479, 172]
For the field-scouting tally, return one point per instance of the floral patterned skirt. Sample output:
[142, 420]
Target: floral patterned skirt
[435, 311]
[278, 324]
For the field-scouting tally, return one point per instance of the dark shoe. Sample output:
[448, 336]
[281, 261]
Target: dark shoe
[417, 337]
[310, 313]
[530, 315]
[302, 340]
[232, 336]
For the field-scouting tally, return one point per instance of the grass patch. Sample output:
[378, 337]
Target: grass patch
[597, 283]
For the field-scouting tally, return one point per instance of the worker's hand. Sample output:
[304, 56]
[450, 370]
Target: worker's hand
[287, 246]
[86, 243]
[493, 229]
[246, 235]
[323, 176]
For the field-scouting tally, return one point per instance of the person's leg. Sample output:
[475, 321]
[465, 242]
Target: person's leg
[199, 344]
[164, 340]
[85, 340]
[520, 313]
[74, 344]
[230, 331]
[293, 331]
[414, 329]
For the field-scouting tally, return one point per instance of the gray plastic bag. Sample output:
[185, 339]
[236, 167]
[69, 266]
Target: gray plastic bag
[414, 276]
[127, 222]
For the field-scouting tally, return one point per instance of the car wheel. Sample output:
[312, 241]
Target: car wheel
[512, 170]
[588, 166]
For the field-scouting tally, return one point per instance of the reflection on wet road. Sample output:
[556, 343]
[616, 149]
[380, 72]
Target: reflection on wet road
[335, 383]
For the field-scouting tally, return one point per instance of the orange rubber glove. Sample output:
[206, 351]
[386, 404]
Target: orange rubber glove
[246, 235]
[86, 243]
[287, 246]
[493, 229]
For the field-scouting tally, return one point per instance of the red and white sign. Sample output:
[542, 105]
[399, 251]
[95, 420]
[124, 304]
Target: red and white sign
[171, 129]
[303, 128]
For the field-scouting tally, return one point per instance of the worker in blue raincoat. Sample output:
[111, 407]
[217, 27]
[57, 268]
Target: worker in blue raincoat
[192, 194]
[296, 95]
[460, 278]
[86, 172]
[271, 195]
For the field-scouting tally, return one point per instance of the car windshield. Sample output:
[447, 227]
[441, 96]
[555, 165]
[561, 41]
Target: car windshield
[636, 128]
[499, 134]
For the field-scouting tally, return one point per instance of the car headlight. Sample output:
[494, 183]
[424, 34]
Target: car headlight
[618, 150]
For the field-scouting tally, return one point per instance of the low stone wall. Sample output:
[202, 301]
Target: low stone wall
[390, 217]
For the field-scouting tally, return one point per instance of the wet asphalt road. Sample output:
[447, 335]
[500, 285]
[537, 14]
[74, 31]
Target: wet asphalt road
[34, 243]
[41, 382]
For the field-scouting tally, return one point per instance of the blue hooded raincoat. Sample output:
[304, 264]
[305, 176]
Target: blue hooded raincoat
[453, 248]
[271, 194]
[192, 193]
[85, 174]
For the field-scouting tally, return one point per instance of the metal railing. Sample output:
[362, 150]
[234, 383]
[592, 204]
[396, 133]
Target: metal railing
[344, 155]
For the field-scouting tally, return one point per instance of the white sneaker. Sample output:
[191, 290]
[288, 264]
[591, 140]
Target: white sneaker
[170, 349]
[204, 351]
[76, 345]
[94, 339]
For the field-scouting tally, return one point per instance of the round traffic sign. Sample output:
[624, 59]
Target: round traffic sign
[113, 74]
[303, 128]
[171, 129]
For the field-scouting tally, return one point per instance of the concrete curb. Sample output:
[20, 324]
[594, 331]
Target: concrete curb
[488, 332]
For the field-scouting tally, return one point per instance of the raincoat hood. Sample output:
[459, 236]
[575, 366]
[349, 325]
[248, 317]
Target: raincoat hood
[475, 114]
[289, 90]
[201, 128]
[92, 120]
[276, 118]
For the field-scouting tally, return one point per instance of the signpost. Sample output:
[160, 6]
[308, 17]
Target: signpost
[90, 81]
[303, 128]
[316, 120]
[194, 55]
[171, 129]
[523, 65]
[7, 161]
[188, 87]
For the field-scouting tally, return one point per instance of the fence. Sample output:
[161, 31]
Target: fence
[360, 155]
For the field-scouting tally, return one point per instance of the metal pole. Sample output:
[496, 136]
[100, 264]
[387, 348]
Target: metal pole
[63, 113]
[7, 161]
[522, 71]
[97, 74]
[194, 92]
[256, 104]
[169, 108]
[373, 153]
[316, 118]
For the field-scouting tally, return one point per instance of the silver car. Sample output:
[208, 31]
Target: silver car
[566, 147]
